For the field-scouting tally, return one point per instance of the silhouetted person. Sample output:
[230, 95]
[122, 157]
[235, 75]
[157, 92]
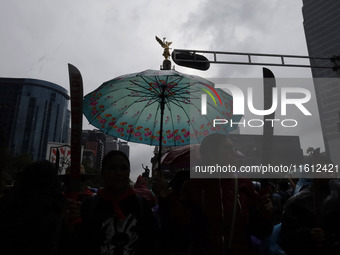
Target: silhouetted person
[146, 173]
[280, 197]
[309, 223]
[116, 220]
[31, 214]
[219, 215]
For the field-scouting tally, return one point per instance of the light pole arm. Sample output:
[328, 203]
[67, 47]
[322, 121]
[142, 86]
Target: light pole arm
[192, 57]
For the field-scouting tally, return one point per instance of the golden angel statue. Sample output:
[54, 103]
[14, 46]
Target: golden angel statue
[165, 45]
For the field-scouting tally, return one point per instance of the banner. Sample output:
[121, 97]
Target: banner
[76, 87]
[59, 154]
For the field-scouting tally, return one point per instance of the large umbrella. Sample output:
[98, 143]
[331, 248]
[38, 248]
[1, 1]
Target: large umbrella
[182, 157]
[158, 107]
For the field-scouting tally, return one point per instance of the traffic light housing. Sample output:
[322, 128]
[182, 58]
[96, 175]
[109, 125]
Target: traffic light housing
[190, 59]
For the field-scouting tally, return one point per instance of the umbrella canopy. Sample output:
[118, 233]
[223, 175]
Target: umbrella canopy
[132, 107]
[179, 157]
[182, 157]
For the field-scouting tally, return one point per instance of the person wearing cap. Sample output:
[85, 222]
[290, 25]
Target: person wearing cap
[219, 214]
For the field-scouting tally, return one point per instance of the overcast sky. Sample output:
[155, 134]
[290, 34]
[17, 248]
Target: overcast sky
[105, 39]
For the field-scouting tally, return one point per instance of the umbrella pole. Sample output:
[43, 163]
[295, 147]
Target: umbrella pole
[161, 130]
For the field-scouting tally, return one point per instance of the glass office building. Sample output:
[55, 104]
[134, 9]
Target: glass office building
[33, 113]
[322, 30]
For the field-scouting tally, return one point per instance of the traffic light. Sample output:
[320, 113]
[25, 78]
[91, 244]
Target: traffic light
[190, 59]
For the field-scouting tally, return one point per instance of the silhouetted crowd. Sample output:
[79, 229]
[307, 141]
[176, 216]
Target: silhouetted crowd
[185, 216]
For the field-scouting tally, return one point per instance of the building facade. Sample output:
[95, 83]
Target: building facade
[111, 144]
[33, 113]
[94, 141]
[124, 147]
[322, 31]
[99, 144]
